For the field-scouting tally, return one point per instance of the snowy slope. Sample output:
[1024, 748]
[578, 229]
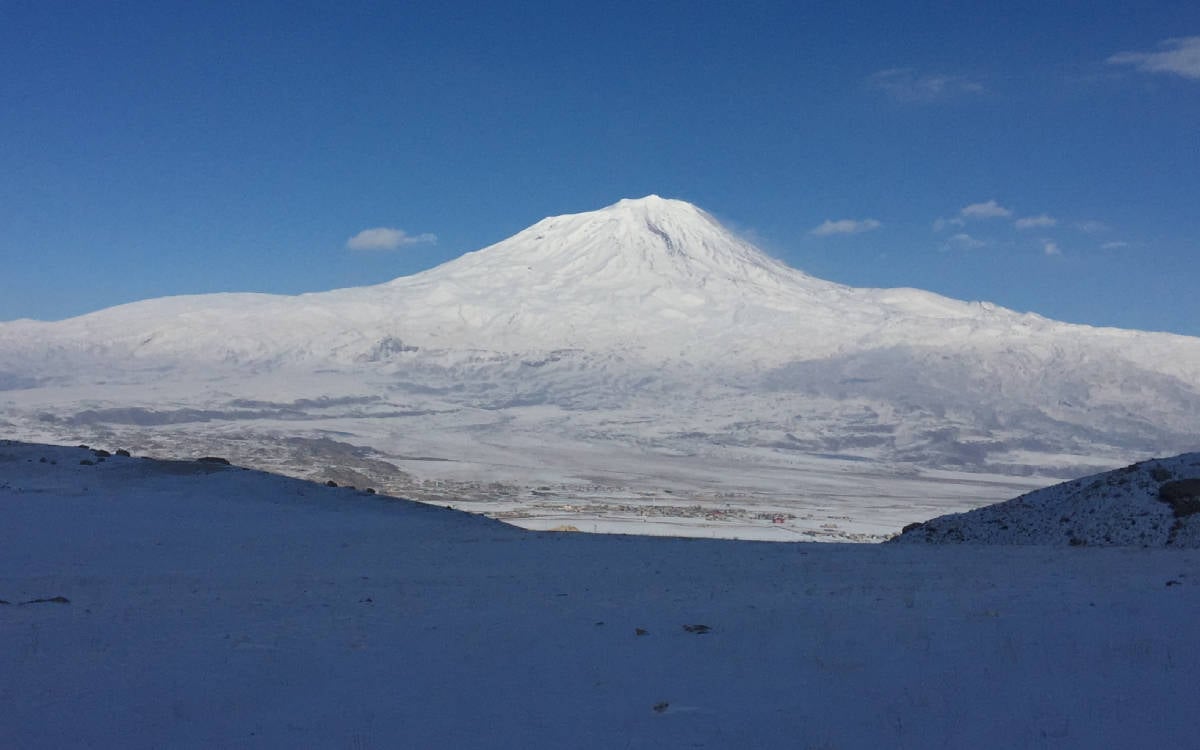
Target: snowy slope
[1154, 503]
[187, 605]
[640, 334]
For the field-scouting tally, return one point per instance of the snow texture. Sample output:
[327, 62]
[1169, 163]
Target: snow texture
[1154, 503]
[159, 604]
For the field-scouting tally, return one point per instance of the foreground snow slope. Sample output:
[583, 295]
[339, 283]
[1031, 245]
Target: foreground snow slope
[1148, 504]
[213, 607]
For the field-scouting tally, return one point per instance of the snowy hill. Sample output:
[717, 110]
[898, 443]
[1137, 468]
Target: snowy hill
[1154, 503]
[151, 604]
[642, 349]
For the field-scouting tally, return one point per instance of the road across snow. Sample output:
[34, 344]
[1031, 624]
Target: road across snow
[207, 606]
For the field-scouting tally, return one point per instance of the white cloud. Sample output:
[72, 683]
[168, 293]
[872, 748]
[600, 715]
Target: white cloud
[989, 210]
[907, 85]
[940, 224]
[964, 241]
[845, 226]
[1033, 222]
[1049, 247]
[386, 238]
[1179, 56]
[1114, 245]
[1092, 227]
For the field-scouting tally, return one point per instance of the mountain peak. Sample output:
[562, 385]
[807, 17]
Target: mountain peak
[636, 243]
[651, 198]
[653, 206]
[652, 201]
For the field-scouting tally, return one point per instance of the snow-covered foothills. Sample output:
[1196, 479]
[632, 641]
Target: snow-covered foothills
[1154, 503]
[192, 605]
[636, 368]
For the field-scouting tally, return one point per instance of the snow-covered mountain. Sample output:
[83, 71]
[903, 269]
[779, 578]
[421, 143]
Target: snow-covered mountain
[646, 328]
[652, 275]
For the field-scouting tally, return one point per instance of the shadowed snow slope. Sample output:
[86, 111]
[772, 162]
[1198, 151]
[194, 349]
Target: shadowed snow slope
[1154, 503]
[184, 605]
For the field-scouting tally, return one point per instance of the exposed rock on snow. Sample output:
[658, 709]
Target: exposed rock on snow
[1182, 495]
[1154, 503]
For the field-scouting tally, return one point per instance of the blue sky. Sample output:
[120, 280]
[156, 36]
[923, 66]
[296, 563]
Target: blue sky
[1045, 157]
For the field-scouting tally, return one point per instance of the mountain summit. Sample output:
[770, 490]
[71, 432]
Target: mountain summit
[649, 271]
[648, 241]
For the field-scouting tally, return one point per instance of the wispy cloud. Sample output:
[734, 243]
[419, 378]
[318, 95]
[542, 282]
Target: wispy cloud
[964, 241]
[1092, 227]
[940, 224]
[387, 238]
[1180, 56]
[1114, 245]
[907, 85]
[845, 226]
[988, 210]
[1050, 247]
[1036, 222]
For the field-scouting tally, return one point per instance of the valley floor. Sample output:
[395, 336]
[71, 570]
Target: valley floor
[518, 469]
[185, 605]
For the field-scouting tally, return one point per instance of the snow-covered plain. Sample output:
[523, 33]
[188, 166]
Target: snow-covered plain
[541, 471]
[639, 351]
[186, 605]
